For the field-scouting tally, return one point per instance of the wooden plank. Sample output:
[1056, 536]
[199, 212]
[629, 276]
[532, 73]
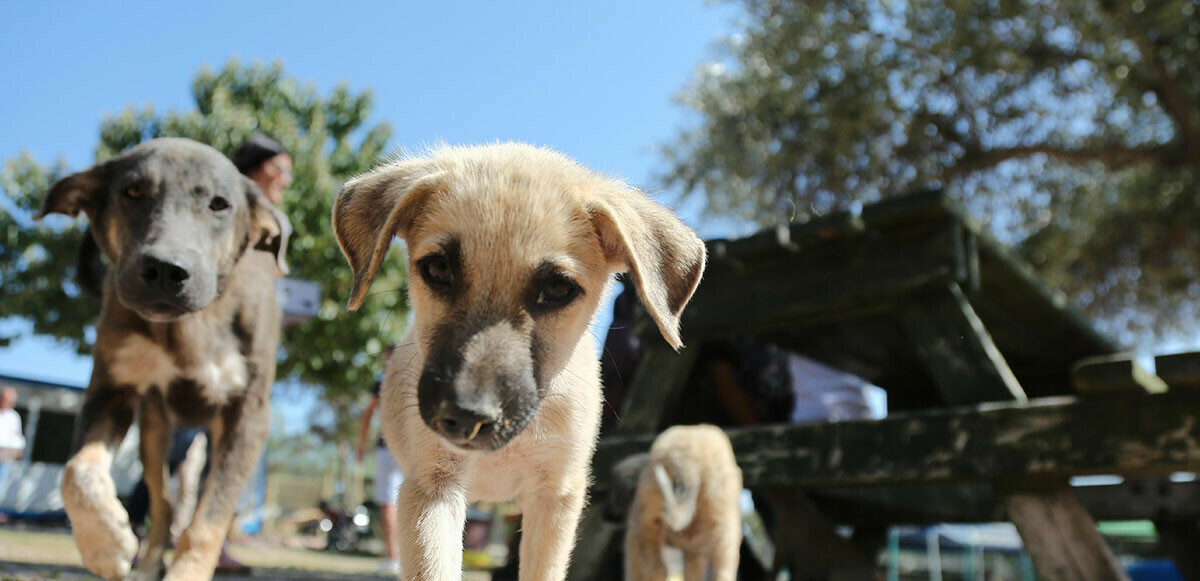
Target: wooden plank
[807, 544]
[1179, 538]
[1118, 374]
[820, 282]
[656, 387]
[1050, 438]
[1179, 370]
[966, 365]
[1061, 537]
[597, 543]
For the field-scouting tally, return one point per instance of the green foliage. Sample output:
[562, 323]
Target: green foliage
[1069, 127]
[329, 140]
[37, 265]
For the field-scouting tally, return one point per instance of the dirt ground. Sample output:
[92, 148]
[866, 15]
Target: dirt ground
[28, 555]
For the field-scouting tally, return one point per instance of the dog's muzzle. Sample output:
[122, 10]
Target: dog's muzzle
[479, 417]
[161, 287]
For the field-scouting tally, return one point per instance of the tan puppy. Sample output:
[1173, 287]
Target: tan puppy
[496, 393]
[687, 498]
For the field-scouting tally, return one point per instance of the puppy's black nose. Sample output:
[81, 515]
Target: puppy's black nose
[460, 423]
[163, 275]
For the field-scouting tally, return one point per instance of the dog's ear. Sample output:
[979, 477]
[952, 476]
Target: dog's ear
[372, 209]
[74, 193]
[664, 256]
[269, 227]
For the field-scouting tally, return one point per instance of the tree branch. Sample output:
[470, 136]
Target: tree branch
[1169, 94]
[1113, 157]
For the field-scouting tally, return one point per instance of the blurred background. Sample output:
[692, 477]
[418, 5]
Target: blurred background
[1069, 129]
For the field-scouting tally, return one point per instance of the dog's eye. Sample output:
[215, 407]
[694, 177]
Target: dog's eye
[559, 291]
[218, 203]
[134, 191]
[436, 270]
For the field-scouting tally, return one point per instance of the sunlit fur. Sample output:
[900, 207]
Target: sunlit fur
[511, 209]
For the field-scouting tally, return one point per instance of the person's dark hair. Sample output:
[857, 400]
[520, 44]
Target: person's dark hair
[256, 151]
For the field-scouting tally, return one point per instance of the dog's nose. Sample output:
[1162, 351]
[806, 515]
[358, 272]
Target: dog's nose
[460, 423]
[163, 275]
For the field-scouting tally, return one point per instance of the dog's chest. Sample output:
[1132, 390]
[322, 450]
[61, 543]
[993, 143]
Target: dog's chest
[215, 371]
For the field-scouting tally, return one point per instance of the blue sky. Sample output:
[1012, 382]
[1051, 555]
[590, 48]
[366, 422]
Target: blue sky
[593, 80]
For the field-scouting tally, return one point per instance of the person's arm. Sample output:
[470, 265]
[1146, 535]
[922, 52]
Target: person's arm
[365, 426]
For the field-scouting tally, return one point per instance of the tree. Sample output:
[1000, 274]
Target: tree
[329, 139]
[1072, 128]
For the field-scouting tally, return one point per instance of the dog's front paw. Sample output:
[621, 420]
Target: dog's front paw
[146, 575]
[98, 521]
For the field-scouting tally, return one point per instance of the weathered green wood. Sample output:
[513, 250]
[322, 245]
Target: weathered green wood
[1114, 374]
[821, 281]
[1179, 370]
[1179, 538]
[597, 541]
[1050, 438]
[656, 387]
[958, 351]
[918, 504]
[1061, 538]
[807, 544]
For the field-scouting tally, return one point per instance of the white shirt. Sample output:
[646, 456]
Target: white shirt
[10, 430]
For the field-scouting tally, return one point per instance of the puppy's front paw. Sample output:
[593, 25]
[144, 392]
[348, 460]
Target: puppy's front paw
[99, 523]
[146, 575]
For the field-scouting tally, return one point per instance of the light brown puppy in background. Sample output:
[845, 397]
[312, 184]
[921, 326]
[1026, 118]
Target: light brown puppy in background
[687, 498]
[495, 395]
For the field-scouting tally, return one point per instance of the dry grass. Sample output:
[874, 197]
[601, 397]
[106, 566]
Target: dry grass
[28, 555]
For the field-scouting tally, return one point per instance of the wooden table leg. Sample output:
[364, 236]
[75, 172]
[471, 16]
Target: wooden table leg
[1061, 537]
[1181, 539]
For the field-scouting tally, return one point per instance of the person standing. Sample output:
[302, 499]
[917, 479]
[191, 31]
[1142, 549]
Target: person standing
[12, 438]
[267, 163]
[388, 478]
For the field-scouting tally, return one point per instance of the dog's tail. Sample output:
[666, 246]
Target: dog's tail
[89, 268]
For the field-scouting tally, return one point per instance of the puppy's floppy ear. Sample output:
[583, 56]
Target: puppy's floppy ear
[74, 193]
[664, 256]
[269, 227]
[371, 209]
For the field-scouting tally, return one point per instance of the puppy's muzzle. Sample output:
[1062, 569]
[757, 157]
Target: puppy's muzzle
[163, 277]
[162, 285]
[467, 422]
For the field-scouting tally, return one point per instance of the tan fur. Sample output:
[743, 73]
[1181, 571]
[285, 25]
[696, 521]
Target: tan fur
[511, 207]
[707, 526]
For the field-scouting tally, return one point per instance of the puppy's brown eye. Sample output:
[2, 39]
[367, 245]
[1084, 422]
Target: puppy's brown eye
[218, 203]
[558, 291]
[134, 191]
[435, 269]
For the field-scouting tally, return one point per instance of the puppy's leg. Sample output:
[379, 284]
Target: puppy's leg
[695, 565]
[98, 521]
[188, 474]
[643, 552]
[431, 517]
[238, 437]
[155, 433]
[728, 548]
[549, 524]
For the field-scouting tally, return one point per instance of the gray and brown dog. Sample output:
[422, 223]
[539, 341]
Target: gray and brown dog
[496, 393]
[188, 333]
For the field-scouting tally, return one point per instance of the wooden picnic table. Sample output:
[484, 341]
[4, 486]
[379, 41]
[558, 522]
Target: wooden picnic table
[997, 391]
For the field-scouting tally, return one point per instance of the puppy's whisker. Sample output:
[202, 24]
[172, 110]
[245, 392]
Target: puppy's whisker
[384, 292]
